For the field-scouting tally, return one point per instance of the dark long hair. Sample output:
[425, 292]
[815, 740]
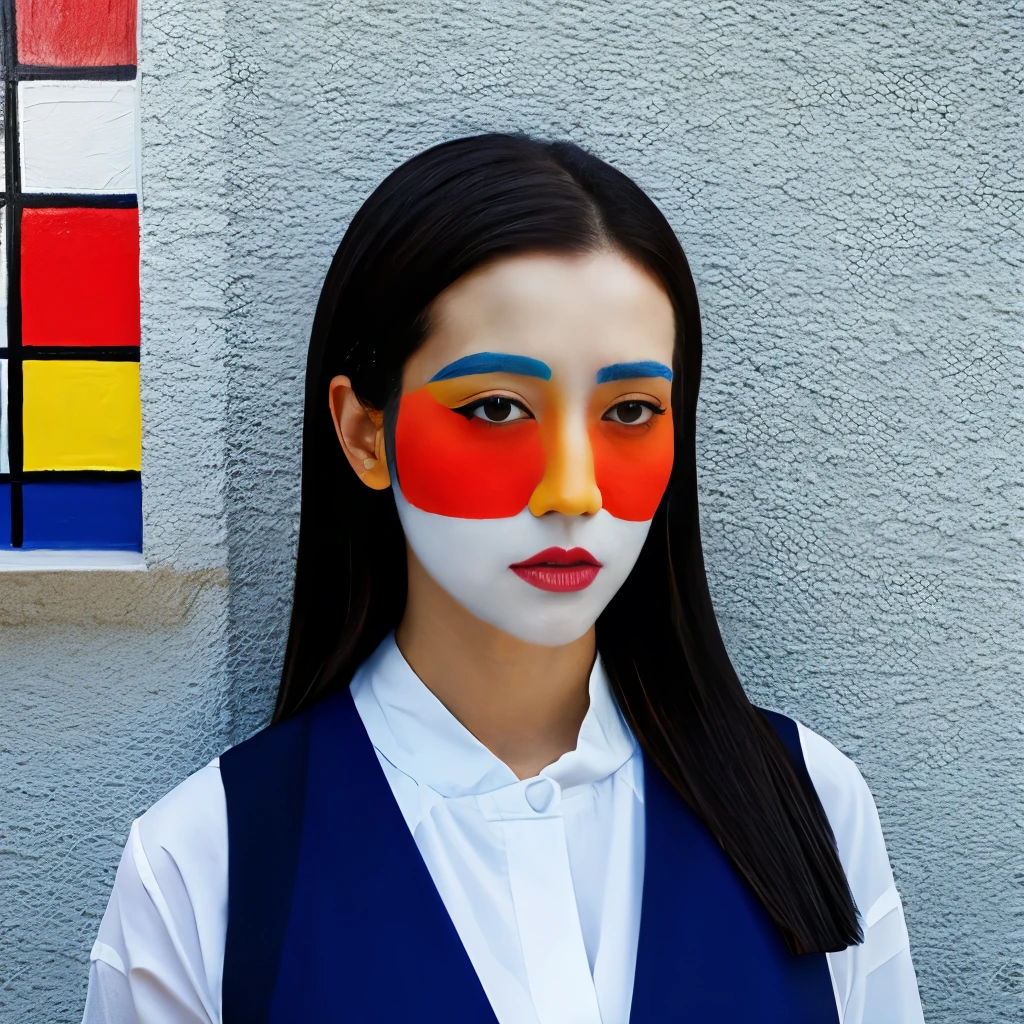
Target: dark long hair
[446, 211]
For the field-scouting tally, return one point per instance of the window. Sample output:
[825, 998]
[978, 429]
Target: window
[70, 413]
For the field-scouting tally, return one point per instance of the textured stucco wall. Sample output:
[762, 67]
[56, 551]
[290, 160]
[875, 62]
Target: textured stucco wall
[847, 182]
[113, 686]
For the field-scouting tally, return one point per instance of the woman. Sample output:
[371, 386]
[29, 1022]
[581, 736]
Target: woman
[513, 776]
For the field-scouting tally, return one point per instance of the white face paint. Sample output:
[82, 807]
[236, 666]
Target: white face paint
[533, 439]
[471, 559]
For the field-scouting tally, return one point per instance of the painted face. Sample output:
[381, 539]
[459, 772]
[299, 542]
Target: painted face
[534, 439]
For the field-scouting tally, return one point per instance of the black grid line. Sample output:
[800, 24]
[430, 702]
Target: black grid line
[90, 353]
[107, 201]
[12, 213]
[36, 476]
[87, 73]
[14, 201]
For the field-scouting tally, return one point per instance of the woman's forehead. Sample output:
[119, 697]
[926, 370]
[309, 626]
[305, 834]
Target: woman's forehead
[549, 316]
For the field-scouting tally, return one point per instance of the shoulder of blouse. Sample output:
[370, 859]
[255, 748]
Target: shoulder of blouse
[194, 812]
[172, 903]
[184, 841]
[184, 838]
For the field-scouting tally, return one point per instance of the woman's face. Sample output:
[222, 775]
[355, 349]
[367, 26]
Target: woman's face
[534, 438]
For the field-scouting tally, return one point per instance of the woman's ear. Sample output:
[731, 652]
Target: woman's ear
[361, 433]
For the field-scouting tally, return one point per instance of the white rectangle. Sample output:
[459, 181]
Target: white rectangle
[78, 136]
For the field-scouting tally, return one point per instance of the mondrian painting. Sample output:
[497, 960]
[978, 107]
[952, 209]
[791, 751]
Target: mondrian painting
[70, 417]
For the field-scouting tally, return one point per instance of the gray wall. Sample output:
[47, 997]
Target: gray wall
[847, 182]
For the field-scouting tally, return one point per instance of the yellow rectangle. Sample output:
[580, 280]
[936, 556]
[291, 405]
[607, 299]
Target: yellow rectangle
[81, 414]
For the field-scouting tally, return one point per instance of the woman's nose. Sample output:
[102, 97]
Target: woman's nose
[568, 485]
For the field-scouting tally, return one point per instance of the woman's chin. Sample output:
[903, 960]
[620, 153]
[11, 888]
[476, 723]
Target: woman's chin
[545, 618]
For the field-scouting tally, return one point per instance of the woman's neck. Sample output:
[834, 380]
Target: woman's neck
[524, 702]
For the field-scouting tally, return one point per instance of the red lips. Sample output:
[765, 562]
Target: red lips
[559, 570]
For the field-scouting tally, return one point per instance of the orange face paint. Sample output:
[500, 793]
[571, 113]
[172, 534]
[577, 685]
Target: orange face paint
[468, 468]
[463, 467]
[632, 465]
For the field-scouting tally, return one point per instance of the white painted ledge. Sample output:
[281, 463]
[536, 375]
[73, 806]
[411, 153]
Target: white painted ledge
[70, 561]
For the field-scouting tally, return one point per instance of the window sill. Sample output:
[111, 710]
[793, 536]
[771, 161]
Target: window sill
[40, 560]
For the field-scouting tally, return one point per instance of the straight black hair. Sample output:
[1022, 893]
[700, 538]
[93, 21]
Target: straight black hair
[441, 214]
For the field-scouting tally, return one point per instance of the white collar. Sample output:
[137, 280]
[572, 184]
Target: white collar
[413, 730]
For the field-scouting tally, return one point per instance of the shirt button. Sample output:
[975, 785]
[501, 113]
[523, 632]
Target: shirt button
[539, 794]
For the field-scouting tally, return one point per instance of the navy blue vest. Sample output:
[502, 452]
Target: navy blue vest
[333, 916]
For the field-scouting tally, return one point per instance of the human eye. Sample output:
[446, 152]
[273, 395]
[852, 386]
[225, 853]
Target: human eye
[632, 412]
[495, 409]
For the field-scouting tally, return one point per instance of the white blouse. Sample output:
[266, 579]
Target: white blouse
[542, 878]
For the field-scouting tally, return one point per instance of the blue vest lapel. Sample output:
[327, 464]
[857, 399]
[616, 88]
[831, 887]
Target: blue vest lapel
[368, 938]
[708, 950]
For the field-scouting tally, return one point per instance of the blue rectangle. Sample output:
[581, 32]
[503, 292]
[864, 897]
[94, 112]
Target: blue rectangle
[94, 515]
[5, 515]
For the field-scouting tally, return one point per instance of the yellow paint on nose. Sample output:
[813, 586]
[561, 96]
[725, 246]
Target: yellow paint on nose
[568, 485]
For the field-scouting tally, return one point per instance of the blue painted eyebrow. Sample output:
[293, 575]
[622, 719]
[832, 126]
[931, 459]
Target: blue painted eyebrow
[493, 362]
[625, 371]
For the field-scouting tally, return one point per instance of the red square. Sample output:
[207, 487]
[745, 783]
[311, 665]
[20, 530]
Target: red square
[80, 277]
[76, 33]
